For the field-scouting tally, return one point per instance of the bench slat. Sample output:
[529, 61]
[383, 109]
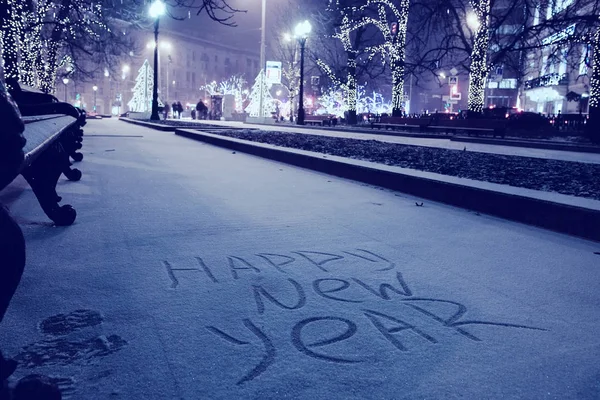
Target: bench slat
[41, 134]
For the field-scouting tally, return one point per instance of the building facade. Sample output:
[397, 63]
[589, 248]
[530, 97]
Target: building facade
[186, 63]
[557, 75]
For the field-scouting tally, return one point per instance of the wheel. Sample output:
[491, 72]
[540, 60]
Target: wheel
[73, 174]
[77, 156]
[65, 215]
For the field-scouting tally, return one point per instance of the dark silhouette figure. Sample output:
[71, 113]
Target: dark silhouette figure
[38, 387]
[174, 108]
[166, 110]
[202, 110]
[179, 109]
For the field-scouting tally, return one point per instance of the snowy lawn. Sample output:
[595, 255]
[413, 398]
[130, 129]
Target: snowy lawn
[571, 178]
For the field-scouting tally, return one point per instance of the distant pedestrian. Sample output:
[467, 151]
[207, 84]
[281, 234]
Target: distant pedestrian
[179, 109]
[166, 110]
[201, 109]
[174, 108]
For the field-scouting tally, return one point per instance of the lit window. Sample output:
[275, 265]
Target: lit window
[508, 84]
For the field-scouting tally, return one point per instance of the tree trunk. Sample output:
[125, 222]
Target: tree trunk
[397, 55]
[11, 28]
[397, 65]
[351, 83]
[593, 124]
[478, 66]
[48, 73]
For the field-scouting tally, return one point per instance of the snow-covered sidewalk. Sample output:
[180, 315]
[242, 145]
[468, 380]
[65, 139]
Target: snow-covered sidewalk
[194, 272]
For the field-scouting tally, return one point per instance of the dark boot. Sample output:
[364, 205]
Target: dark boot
[37, 387]
[12, 254]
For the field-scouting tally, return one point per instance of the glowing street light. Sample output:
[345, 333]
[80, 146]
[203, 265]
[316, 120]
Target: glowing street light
[473, 20]
[95, 88]
[157, 8]
[301, 34]
[65, 81]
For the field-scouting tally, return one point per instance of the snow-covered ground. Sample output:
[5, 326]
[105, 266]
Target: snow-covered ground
[194, 272]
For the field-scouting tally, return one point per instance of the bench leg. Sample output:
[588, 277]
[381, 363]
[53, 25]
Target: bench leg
[42, 176]
[70, 143]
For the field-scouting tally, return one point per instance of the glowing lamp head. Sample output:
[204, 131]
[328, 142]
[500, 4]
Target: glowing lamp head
[125, 69]
[157, 8]
[95, 88]
[473, 20]
[302, 30]
[65, 80]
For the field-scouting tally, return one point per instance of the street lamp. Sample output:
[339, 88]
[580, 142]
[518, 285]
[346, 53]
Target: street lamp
[261, 100]
[301, 33]
[125, 70]
[95, 88]
[157, 8]
[473, 20]
[65, 81]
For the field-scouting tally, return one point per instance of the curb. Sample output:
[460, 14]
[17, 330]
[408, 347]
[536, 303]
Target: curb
[159, 127]
[172, 128]
[529, 144]
[371, 131]
[573, 220]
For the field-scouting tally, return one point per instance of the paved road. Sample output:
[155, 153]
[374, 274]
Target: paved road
[441, 142]
[193, 272]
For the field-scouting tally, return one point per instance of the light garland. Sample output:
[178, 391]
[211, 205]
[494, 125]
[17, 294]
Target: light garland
[11, 32]
[479, 67]
[142, 90]
[253, 107]
[33, 52]
[594, 100]
[234, 85]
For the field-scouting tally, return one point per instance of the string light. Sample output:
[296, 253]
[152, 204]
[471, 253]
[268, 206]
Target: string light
[479, 67]
[393, 48]
[33, 57]
[595, 78]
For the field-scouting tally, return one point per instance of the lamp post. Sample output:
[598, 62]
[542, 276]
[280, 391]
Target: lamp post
[65, 81]
[95, 88]
[157, 8]
[261, 111]
[301, 33]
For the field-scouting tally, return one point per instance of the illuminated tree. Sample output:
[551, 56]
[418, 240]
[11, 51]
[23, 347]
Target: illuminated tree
[253, 108]
[235, 85]
[142, 91]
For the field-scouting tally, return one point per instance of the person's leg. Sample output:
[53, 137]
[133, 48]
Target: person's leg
[12, 254]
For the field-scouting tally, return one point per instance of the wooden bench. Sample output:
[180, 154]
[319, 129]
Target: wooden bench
[401, 123]
[54, 133]
[46, 159]
[322, 120]
[496, 127]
